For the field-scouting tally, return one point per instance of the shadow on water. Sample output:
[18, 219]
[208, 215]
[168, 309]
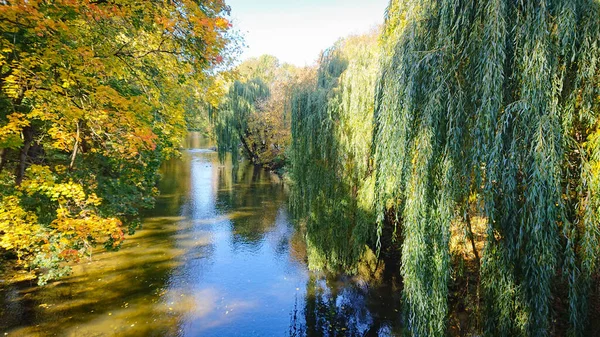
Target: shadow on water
[118, 293]
[217, 256]
[341, 306]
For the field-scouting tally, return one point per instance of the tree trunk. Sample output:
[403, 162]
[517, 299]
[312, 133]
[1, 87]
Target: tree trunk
[75, 147]
[251, 154]
[23, 154]
[471, 234]
[3, 157]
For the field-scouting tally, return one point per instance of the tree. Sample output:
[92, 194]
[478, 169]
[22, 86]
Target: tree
[231, 118]
[256, 111]
[496, 101]
[90, 103]
[264, 67]
[332, 190]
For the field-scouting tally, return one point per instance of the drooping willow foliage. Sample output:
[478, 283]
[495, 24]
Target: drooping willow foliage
[496, 101]
[255, 112]
[230, 120]
[331, 145]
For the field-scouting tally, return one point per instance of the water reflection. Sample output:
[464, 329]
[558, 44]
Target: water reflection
[216, 257]
[254, 202]
[340, 306]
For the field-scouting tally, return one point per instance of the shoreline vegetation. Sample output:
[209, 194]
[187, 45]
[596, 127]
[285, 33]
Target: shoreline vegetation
[457, 147]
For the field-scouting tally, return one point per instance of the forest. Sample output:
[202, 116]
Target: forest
[459, 144]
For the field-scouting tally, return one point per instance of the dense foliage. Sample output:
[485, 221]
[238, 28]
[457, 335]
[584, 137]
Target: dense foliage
[496, 104]
[331, 147]
[485, 110]
[255, 113]
[93, 96]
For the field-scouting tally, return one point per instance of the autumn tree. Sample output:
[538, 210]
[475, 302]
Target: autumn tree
[92, 98]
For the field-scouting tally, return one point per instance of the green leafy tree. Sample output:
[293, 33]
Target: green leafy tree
[332, 122]
[496, 100]
[255, 113]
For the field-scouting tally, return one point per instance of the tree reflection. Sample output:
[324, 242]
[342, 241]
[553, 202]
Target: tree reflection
[344, 306]
[252, 200]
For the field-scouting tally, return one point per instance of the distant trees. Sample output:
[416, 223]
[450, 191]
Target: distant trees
[91, 99]
[256, 111]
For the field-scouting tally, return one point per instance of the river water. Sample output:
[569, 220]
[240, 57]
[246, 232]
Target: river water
[217, 256]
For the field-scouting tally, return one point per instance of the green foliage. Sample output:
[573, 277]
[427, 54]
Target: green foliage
[330, 163]
[499, 100]
[264, 67]
[231, 119]
[255, 112]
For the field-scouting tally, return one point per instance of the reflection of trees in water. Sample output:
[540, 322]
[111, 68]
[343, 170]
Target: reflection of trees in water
[252, 201]
[196, 140]
[340, 306]
[173, 185]
[333, 305]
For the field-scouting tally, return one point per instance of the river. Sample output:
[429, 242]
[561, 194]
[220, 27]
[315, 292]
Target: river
[217, 256]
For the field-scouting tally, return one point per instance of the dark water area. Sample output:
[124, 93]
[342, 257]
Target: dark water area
[217, 256]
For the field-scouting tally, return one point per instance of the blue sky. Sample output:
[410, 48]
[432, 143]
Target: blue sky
[296, 31]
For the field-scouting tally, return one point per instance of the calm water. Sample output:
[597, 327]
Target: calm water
[218, 256]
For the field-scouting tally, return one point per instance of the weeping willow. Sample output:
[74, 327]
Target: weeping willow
[331, 146]
[230, 120]
[496, 100]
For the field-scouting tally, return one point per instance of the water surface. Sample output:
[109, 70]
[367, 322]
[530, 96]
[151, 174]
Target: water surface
[217, 256]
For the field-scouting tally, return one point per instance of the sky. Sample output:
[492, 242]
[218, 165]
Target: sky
[297, 31]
